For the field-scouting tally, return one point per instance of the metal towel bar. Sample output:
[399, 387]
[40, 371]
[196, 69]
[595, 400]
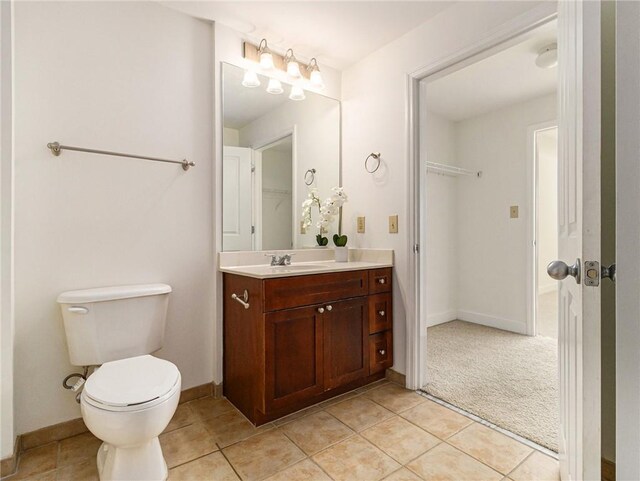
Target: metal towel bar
[56, 148]
[244, 300]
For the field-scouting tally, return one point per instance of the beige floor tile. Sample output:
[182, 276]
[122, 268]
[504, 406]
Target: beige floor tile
[315, 432]
[85, 471]
[436, 419]
[446, 463]
[37, 461]
[232, 427]
[305, 470]
[355, 459]
[186, 444]
[395, 398]
[338, 399]
[263, 455]
[78, 449]
[210, 467]
[208, 407]
[183, 416]
[297, 415]
[373, 385]
[500, 452]
[537, 467]
[403, 474]
[359, 413]
[400, 439]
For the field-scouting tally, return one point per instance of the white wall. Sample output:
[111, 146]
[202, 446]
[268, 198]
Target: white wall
[132, 77]
[493, 249]
[441, 277]
[374, 99]
[277, 208]
[316, 145]
[7, 327]
[547, 240]
[231, 137]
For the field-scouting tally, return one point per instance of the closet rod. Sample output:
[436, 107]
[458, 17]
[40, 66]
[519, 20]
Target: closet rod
[56, 148]
[452, 170]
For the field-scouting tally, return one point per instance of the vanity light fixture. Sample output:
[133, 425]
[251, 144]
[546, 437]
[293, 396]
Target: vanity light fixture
[250, 79]
[293, 67]
[296, 93]
[265, 55]
[274, 87]
[315, 77]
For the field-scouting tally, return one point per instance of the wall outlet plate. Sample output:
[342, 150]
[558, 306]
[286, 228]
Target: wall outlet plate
[393, 224]
[360, 225]
[513, 212]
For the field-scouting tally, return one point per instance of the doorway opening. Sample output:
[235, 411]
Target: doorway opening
[483, 204]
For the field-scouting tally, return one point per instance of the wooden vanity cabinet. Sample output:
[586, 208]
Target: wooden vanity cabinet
[304, 339]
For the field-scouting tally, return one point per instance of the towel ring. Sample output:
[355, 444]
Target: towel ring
[310, 176]
[376, 156]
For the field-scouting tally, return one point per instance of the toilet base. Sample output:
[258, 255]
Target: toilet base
[132, 463]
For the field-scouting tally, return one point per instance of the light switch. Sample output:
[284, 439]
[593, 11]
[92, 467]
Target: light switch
[513, 212]
[393, 224]
[360, 225]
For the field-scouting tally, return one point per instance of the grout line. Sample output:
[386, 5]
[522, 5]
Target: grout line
[230, 464]
[484, 422]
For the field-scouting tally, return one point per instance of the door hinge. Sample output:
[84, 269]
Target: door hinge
[253, 229]
[416, 248]
[253, 169]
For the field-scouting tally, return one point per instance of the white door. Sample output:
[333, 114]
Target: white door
[579, 238]
[627, 240]
[237, 199]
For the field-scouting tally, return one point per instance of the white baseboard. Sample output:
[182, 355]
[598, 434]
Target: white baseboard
[441, 318]
[547, 289]
[498, 323]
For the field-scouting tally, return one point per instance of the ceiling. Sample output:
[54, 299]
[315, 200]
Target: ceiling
[337, 33]
[508, 77]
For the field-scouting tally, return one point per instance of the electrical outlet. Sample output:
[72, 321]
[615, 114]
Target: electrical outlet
[360, 225]
[513, 212]
[303, 229]
[393, 224]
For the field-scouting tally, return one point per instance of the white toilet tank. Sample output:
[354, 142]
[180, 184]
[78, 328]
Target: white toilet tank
[111, 323]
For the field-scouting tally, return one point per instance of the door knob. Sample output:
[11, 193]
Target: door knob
[320, 310]
[609, 272]
[559, 270]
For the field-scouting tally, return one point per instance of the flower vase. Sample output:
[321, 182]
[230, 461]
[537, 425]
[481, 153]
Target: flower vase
[342, 254]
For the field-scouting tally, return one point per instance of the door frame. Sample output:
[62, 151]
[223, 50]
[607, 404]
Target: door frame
[495, 40]
[532, 222]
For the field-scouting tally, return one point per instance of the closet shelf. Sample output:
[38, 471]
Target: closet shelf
[451, 170]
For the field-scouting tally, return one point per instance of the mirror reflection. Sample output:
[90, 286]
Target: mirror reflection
[276, 152]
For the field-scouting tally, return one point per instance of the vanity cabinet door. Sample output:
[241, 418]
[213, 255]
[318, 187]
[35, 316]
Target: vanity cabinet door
[293, 356]
[346, 337]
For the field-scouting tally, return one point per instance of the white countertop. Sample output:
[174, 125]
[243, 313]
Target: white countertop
[310, 261]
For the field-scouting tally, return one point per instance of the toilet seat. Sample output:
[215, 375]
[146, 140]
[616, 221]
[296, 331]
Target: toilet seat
[132, 384]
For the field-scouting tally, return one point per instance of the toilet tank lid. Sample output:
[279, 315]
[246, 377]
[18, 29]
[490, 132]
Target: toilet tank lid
[100, 294]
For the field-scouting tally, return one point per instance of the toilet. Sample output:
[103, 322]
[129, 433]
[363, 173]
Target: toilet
[130, 399]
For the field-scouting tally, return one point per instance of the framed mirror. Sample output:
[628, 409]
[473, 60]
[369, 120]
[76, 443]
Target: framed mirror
[276, 153]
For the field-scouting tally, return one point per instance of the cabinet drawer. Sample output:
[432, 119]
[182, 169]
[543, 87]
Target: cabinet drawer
[287, 292]
[380, 351]
[380, 312]
[380, 280]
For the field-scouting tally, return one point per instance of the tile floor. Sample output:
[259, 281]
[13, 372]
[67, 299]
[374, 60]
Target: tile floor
[380, 431]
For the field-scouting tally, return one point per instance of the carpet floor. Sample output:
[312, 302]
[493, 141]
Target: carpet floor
[508, 379]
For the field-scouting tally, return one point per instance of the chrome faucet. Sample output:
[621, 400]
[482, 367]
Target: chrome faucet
[277, 260]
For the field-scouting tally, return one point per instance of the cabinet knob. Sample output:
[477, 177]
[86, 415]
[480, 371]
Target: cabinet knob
[381, 313]
[382, 280]
[320, 310]
[329, 307]
[382, 352]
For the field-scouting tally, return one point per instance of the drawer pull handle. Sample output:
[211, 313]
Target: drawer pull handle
[244, 300]
[320, 310]
[381, 313]
[382, 280]
[329, 307]
[382, 352]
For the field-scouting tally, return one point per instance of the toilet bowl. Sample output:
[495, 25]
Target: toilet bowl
[127, 404]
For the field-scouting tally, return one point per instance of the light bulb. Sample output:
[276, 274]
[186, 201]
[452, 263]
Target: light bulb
[266, 60]
[274, 87]
[293, 69]
[316, 79]
[296, 93]
[250, 79]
